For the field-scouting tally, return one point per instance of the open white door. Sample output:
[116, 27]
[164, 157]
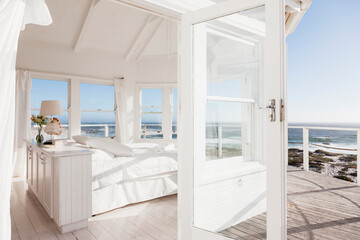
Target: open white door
[231, 146]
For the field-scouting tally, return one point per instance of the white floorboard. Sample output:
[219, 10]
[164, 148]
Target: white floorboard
[151, 220]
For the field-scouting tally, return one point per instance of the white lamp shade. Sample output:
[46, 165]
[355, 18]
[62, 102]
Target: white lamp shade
[51, 107]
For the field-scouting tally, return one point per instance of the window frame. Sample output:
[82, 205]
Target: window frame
[166, 114]
[46, 77]
[73, 105]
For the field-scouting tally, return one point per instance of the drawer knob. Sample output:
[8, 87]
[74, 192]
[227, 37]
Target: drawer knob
[240, 182]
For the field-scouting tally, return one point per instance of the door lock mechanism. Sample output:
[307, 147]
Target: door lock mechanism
[272, 110]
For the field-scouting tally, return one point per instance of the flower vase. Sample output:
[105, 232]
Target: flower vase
[39, 139]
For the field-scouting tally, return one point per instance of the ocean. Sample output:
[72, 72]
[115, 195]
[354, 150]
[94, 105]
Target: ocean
[327, 140]
[337, 141]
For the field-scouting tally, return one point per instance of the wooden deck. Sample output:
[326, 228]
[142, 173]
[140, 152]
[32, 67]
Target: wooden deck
[319, 207]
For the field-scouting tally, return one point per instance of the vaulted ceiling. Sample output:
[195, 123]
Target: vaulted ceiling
[106, 26]
[119, 28]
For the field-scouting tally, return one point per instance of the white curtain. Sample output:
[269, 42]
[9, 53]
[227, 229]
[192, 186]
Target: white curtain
[22, 120]
[121, 130]
[14, 14]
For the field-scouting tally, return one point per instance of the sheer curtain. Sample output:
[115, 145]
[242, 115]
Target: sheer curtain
[14, 14]
[120, 110]
[22, 120]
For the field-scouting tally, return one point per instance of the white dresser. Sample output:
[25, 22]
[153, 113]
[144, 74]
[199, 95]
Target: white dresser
[61, 178]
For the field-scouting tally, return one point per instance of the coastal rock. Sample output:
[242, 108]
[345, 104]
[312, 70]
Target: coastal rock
[348, 158]
[322, 152]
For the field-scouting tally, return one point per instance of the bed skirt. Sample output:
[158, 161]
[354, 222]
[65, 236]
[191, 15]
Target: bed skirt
[139, 190]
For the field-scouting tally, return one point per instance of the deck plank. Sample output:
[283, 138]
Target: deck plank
[319, 207]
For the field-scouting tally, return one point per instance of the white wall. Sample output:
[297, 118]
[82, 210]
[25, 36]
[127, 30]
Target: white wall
[158, 70]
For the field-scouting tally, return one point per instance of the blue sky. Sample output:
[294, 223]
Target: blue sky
[324, 64]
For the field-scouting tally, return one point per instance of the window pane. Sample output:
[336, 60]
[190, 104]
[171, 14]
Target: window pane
[151, 97]
[229, 88]
[174, 126]
[175, 97]
[151, 126]
[96, 97]
[151, 110]
[48, 90]
[98, 124]
[151, 117]
[64, 127]
[228, 130]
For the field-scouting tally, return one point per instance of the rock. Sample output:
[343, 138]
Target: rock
[348, 158]
[322, 152]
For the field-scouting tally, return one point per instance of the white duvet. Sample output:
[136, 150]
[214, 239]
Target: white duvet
[146, 162]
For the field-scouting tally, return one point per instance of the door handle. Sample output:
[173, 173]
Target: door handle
[272, 110]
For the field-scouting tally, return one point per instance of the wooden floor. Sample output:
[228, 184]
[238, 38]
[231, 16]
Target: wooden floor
[152, 220]
[319, 207]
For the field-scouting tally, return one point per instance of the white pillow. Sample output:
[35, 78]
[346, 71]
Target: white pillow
[81, 139]
[113, 147]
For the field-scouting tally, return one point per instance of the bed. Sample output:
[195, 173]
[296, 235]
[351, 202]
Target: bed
[118, 181]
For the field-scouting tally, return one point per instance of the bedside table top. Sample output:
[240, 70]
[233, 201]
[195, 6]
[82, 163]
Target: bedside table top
[61, 149]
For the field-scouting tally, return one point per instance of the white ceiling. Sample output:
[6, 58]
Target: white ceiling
[114, 27]
[105, 25]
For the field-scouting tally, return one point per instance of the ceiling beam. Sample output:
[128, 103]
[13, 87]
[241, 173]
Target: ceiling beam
[85, 25]
[141, 38]
[148, 40]
[150, 8]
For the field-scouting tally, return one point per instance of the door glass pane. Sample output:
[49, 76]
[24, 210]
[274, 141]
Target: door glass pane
[229, 130]
[230, 169]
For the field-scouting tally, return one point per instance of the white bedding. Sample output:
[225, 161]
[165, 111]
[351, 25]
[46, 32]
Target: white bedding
[145, 163]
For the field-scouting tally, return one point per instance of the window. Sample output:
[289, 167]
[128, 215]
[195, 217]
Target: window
[43, 89]
[174, 113]
[151, 114]
[97, 104]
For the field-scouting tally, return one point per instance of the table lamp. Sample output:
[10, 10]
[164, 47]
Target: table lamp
[52, 107]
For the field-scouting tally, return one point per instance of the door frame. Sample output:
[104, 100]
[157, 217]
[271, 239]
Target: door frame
[275, 131]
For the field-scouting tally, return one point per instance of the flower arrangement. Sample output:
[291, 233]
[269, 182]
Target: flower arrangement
[40, 121]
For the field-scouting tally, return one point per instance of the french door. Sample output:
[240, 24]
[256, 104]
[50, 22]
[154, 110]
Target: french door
[231, 140]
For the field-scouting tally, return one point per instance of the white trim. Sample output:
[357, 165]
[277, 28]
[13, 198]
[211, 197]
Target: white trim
[74, 106]
[150, 8]
[155, 84]
[221, 9]
[97, 111]
[274, 70]
[62, 76]
[230, 99]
